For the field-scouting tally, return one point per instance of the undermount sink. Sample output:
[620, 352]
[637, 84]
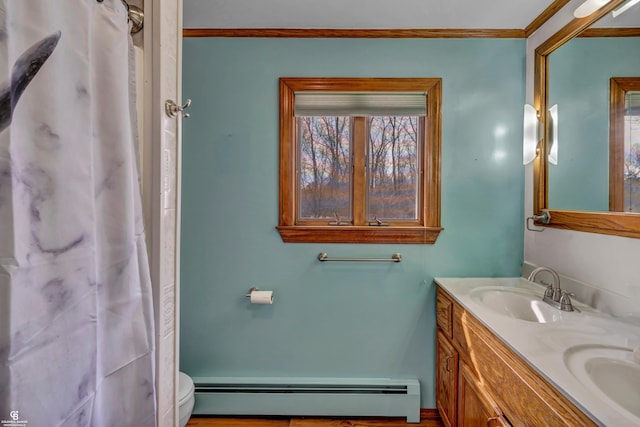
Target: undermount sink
[517, 303]
[611, 370]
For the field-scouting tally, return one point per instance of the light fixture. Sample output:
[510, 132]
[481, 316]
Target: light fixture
[624, 7]
[588, 7]
[553, 135]
[530, 135]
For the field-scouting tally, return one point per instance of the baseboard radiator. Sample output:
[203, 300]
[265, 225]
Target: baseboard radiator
[333, 397]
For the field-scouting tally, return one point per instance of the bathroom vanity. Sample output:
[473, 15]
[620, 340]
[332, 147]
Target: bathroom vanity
[506, 358]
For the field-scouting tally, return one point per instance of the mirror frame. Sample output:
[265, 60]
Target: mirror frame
[613, 223]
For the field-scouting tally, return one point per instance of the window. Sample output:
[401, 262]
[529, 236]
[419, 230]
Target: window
[624, 173]
[360, 160]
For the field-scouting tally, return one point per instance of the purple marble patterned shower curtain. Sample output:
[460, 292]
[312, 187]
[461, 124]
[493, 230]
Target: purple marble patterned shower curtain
[76, 314]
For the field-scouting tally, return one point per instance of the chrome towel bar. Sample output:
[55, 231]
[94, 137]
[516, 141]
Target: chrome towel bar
[322, 257]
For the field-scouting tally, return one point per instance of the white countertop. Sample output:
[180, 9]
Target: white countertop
[544, 345]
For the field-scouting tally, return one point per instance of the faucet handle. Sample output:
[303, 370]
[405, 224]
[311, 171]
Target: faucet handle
[549, 291]
[565, 301]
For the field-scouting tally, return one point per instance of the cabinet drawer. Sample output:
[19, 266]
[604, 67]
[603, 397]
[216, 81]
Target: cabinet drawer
[444, 312]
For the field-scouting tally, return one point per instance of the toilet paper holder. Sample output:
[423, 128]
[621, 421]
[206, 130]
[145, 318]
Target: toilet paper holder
[257, 296]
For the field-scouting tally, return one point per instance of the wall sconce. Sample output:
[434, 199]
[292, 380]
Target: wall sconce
[553, 135]
[530, 135]
[589, 7]
[532, 132]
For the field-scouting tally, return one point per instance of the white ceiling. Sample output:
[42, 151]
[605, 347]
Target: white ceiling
[363, 14]
[379, 14]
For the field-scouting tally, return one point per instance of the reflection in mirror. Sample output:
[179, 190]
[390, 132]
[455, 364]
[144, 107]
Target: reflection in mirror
[632, 152]
[579, 76]
[624, 180]
[553, 134]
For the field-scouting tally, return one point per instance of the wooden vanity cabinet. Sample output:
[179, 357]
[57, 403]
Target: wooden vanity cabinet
[482, 382]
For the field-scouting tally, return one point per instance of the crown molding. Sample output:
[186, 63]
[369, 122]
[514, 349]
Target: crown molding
[353, 33]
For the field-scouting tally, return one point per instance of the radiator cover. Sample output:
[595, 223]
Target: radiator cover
[337, 397]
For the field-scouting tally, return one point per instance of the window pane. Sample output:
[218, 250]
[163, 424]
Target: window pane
[393, 167]
[632, 152]
[324, 178]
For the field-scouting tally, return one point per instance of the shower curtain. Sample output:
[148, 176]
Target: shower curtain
[76, 314]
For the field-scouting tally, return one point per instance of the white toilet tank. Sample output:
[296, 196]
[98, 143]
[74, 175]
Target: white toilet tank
[186, 398]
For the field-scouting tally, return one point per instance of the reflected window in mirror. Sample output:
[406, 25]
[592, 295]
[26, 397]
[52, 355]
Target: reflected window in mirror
[624, 122]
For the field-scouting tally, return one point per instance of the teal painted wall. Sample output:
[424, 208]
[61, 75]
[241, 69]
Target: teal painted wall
[336, 319]
[579, 74]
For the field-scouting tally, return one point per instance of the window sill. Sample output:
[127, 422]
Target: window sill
[350, 234]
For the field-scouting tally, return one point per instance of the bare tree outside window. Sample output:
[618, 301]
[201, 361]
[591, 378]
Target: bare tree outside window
[325, 167]
[393, 167]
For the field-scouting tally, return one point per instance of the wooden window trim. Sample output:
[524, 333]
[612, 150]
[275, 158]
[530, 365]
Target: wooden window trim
[424, 233]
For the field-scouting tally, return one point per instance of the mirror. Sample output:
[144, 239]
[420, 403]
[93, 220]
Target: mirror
[583, 189]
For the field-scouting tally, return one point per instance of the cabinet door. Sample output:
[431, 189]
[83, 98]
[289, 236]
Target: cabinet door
[476, 408]
[446, 379]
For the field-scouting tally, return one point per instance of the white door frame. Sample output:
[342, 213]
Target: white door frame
[161, 190]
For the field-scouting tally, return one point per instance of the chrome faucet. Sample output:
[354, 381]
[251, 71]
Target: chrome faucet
[553, 290]
[553, 295]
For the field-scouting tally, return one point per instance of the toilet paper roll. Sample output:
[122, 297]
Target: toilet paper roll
[262, 297]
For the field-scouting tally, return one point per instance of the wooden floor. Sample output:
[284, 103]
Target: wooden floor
[429, 419]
